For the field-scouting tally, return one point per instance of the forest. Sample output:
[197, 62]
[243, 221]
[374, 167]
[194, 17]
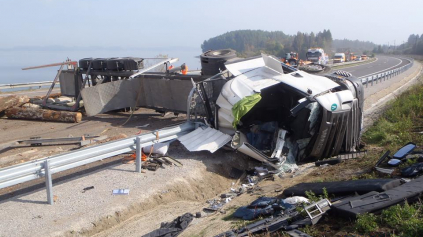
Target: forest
[252, 42]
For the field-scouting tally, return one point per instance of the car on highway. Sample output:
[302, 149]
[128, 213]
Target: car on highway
[363, 57]
[358, 58]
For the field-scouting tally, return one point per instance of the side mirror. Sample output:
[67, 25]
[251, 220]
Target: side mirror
[404, 151]
[394, 162]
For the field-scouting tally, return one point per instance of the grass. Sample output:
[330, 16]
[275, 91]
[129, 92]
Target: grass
[400, 220]
[400, 123]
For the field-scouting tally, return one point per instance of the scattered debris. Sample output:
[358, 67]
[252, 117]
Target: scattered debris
[143, 126]
[413, 170]
[157, 148]
[204, 139]
[340, 188]
[283, 216]
[83, 140]
[172, 229]
[262, 190]
[296, 200]
[87, 188]
[149, 165]
[403, 154]
[120, 192]
[376, 201]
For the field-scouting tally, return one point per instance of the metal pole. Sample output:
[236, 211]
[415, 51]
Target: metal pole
[138, 153]
[52, 85]
[367, 82]
[49, 183]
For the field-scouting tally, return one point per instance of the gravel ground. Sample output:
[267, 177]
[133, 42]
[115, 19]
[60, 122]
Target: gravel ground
[76, 213]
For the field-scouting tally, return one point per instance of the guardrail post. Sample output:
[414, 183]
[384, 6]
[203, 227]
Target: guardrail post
[138, 152]
[367, 82]
[49, 183]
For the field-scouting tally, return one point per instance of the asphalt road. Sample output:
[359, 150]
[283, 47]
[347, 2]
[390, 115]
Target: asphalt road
[383, 63]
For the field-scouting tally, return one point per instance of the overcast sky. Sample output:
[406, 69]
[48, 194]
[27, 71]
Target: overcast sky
[187, 23]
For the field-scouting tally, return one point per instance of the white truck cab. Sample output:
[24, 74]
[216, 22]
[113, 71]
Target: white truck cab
[317, 55]
[339, 58]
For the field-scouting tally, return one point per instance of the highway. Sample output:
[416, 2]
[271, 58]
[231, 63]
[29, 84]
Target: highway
[381, 64]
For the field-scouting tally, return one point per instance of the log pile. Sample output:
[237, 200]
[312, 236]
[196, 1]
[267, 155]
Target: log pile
[12, 101]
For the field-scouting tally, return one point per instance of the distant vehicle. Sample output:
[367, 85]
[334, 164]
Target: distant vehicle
[339, 58]
[291, 59]
[358, 58]
[363, 57]
[352, 57]
[317, 55]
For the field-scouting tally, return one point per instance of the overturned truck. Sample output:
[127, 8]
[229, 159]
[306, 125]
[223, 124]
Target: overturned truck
[262, 107]
[280, 115]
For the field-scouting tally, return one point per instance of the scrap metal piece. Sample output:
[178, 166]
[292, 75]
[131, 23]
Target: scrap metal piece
[62, 140]
[318, 208]
[208, 139]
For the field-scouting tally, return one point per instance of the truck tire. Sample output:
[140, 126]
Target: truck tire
[342, 73]
[292, 62]
[213, 61]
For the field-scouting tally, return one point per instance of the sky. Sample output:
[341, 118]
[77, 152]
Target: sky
[161, 24]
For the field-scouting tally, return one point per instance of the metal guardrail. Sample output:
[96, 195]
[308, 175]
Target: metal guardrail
[25, 85]
[386, 75]
[45, 167]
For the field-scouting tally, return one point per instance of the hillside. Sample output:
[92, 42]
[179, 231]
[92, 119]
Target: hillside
[253, 42]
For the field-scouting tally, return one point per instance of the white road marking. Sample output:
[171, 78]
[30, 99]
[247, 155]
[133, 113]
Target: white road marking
[383, 69]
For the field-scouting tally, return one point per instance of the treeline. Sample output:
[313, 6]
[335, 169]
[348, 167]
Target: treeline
[356, 46]
[253, 42]
[414, 45]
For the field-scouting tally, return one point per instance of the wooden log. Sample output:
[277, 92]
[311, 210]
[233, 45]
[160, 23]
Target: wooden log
[44, 115]
[12, 101]
[52, 95]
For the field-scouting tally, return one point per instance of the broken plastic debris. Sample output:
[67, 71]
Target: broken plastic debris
[261, 171]
[144, 126]
[120, 192]
[295, 200]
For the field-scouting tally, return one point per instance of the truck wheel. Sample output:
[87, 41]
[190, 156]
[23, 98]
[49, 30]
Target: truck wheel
[342, 73]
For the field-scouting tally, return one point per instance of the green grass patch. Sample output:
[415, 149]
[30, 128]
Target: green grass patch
[401, 123]
[400, 220]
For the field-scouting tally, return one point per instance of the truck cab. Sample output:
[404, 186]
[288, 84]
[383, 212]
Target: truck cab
[317, 55]
[339, 58]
